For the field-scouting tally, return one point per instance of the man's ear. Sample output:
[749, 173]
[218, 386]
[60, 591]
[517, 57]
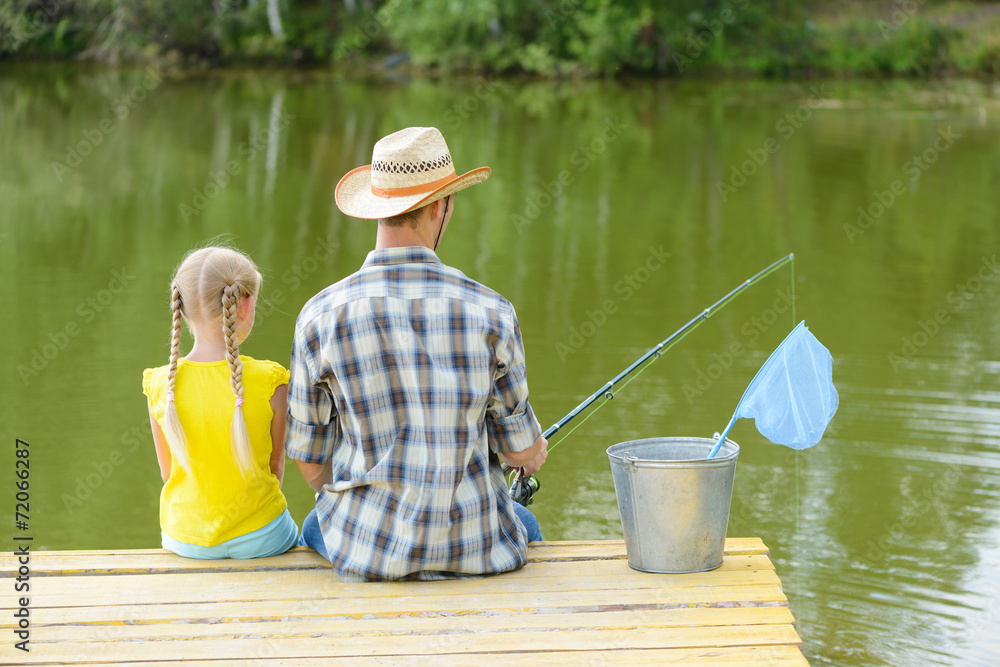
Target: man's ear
[438, 209]
[434, 209]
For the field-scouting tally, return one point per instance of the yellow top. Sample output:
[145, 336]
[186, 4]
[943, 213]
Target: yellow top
[213, 503]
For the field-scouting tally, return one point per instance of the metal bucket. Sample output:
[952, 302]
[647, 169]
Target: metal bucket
[674, 502]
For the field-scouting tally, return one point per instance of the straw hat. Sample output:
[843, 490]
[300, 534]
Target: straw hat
[410, 168]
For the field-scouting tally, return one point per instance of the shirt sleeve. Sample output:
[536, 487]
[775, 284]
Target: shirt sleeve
[152, 389]
[277, 376]
[312, 418]
[510, 421]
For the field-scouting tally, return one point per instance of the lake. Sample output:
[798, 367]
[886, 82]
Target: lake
[615, 213]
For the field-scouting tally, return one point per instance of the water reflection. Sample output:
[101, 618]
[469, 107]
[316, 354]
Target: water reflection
[885, 535]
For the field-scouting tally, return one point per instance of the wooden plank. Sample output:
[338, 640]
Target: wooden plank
[500, 603]
[752, 656]
[314, 646]
[308, 625]
[170, 564]
[140, 561]
[283, 585]
[65, 563]
[575, 602]
[754, 544]
[540, 570]
[535, 575]
[540, 551]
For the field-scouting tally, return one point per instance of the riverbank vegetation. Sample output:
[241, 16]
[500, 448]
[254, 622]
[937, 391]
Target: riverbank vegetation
[550, 38]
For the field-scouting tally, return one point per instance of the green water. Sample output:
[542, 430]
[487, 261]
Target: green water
[885, 535]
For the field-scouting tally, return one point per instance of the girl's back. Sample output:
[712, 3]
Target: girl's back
[213, 503]
[218, 419]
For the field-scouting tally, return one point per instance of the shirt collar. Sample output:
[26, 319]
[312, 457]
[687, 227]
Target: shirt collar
[404, 255]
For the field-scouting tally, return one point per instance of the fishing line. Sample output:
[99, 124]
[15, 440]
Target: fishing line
[640, 365]
[683, 331]
[798, 574]
[607, 398]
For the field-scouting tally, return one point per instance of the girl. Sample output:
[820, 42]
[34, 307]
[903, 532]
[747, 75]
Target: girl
[218, 419]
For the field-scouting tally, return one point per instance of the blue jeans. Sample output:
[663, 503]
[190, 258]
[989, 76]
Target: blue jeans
[312, 536]
[529, 521]
[275, 538]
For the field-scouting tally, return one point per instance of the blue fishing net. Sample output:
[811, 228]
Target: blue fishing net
[792, 398]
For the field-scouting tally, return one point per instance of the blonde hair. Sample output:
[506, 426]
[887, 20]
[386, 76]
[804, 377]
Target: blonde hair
[207, 288]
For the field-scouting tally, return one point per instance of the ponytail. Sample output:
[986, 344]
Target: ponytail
[172, 428]
[238, 436]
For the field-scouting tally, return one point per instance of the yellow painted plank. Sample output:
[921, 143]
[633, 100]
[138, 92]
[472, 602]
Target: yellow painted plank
[125, 629]
[736, 546]
[62, 563]
[295, 604]
[168, 564]
[751, 656]
[260, 586]
[318, 645]
[538, 570]
[147, 560]
[555, 576]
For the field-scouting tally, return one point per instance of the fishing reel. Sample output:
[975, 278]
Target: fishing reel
[524, 488]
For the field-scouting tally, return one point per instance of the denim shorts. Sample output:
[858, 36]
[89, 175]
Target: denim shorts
[275, 538]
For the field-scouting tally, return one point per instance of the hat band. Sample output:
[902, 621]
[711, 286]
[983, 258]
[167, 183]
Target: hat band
[414, 189]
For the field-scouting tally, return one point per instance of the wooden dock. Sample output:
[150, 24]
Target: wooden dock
[574, 603]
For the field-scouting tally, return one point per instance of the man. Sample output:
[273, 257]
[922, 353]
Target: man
[408, 386]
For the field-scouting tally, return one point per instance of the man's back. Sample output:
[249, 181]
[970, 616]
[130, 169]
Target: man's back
[406, 375]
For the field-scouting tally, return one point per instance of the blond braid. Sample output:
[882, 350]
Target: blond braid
[173, 430]
[238, 435]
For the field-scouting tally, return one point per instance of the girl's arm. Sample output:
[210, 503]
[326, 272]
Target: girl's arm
[279, 406]
[162, 449]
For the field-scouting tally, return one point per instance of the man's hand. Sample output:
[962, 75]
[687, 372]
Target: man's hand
[530, 459]
[535, 464]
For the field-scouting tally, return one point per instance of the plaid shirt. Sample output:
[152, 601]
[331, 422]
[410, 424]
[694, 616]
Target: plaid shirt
[410, 377]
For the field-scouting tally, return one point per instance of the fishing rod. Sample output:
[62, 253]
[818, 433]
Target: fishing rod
[524, 488]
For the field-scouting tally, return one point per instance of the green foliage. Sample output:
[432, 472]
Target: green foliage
[918, 48]
[45, 27]
[539, 37]
[987, 60]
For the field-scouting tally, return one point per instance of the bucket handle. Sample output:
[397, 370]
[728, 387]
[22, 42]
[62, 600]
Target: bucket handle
[629, 460]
